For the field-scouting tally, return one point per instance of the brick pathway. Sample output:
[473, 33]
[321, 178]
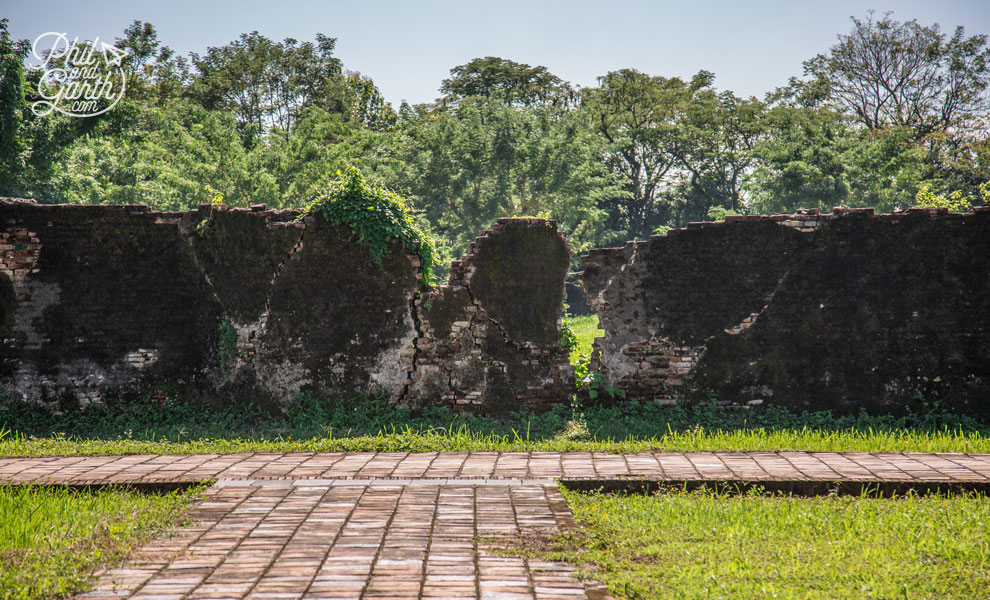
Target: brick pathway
[412, 525]
[677, 466]
[353, 539]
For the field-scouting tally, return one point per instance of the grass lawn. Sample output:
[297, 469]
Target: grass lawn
[363, 424]
[585, 329]
[460, 440]
[702, 545]
[52, 539]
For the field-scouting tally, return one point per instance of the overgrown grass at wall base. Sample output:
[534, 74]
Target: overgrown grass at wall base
[703, 545]
[378, 217]
[361, 423]
[53, 539]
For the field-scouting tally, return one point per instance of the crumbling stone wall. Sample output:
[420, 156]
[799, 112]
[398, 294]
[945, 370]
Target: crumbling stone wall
[257, 305]
[489, 339]
[813, 311]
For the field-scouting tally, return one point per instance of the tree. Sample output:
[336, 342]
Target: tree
[154, 71]
[267, 84]
[636, 116]
[12, 107]
[162, 157]
[512, 82]
[800, 162]
[892, 74]
[264, 82]
[464, 166]
[716, 136]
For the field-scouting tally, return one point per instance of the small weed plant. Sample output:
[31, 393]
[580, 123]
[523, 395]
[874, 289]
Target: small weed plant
[215, 202]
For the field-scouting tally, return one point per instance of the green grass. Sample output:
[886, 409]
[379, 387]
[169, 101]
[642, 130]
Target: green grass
[585, 329]
[368, 424]
[703, 545]
[53, 539]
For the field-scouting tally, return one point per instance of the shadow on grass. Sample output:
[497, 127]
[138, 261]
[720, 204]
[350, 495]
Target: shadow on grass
[362, 415]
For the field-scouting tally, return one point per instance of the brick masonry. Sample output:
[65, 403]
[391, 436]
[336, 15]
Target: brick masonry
[257, 305]
[843, 311]
[362, 539]
[414, 525]
[489, 339]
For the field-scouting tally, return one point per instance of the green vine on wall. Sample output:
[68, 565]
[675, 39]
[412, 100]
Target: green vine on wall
[377, 216]
[227, 343]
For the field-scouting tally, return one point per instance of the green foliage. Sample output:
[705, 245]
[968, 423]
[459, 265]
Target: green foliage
[378, 217]
[12, 143]
[596, 386]
[216, 201]
[227, 343]
[568, 339]
[266, 121]
[468, 164]
[718, 213]
[801, 162]
[680, 544]
[359, 422]
[53, 539]
[585, 330]
[955, 202]
[506, 81]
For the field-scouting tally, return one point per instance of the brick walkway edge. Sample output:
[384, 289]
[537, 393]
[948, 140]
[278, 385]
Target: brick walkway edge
[419, 525]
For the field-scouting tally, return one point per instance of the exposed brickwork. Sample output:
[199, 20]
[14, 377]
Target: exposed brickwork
[481, 346]
[20, 249]
[839, 311]
[121, 300]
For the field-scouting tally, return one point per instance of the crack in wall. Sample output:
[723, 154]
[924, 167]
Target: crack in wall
[414, 355]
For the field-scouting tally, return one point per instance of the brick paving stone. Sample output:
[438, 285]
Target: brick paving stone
[265, 539]
[719, 466]
[405, 524]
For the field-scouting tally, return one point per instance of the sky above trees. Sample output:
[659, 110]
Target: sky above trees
[410, 47]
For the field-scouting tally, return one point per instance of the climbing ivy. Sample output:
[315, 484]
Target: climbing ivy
[377, 216]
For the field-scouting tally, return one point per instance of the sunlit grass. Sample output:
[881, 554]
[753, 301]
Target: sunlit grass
[585, 328]
[370, 424]
[703, 545]
[463, 439]
[53, 539]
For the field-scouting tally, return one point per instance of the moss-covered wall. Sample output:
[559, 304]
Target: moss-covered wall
[845, 311]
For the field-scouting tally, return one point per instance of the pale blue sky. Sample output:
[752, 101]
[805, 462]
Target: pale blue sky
[409, 47]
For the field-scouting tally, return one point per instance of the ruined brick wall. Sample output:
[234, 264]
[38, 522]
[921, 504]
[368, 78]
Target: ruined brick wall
[120, 300]
[812, 311]
[489, 339]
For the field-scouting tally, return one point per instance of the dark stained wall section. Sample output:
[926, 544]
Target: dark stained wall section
[821, 312]
[261, 305]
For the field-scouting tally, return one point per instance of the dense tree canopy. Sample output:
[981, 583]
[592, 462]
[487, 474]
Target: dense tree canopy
[893, 114]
